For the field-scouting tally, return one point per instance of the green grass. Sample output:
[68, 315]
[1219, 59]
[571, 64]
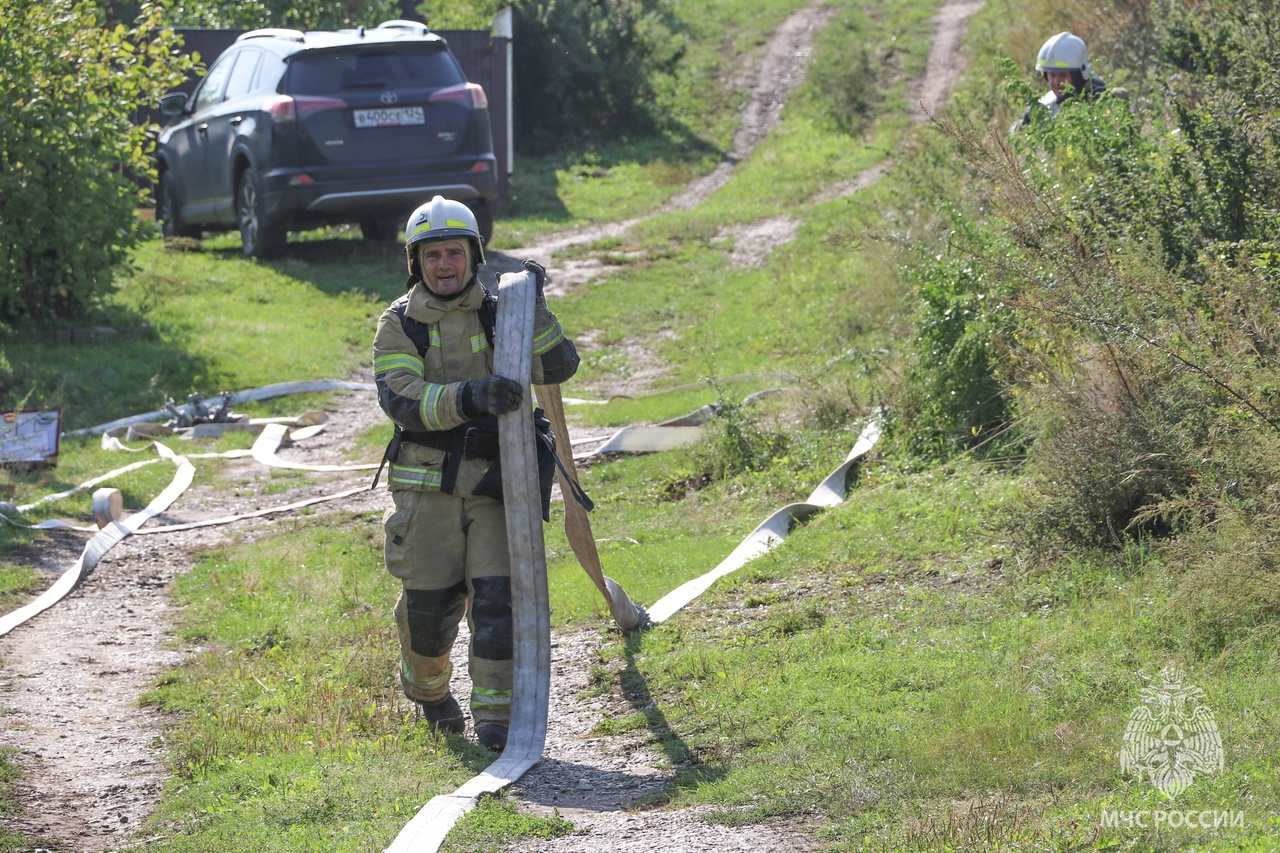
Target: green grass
[496, 821]
[206, 320]
[9, 807]
[17, 583]
[882, 674]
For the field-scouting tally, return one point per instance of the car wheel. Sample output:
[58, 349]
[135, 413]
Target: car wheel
[379, 230]
[168, 203]
[484, 219]
[260, 237]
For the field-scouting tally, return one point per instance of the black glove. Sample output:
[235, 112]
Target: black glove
[493, 394]
[539, 278]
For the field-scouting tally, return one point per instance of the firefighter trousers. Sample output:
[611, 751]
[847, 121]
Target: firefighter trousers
[450, 554]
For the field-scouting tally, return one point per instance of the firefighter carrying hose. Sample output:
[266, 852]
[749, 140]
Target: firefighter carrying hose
[446, 536]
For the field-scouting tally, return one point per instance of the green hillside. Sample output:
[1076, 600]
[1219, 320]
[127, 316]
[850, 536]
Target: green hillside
[1071, 334]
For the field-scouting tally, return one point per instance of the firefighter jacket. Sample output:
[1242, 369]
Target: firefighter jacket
[1094, 87]
[425, 348]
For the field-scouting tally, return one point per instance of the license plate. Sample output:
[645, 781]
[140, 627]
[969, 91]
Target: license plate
[390, 117]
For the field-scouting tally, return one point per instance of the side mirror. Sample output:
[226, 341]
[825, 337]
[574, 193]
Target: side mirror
[173, 104]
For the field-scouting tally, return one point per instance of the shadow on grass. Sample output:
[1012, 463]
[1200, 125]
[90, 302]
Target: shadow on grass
[335, 261]
[112, 366]
[690, 770]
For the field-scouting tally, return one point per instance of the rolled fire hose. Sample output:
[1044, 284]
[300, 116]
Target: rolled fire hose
[530, 603]
[108, 506]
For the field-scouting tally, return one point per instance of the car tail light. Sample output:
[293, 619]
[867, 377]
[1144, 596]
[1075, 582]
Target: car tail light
[282, 109]
[469, 92]
[291, 108]
[479, 166]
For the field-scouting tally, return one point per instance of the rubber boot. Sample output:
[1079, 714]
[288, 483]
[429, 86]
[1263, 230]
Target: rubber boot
[445, 714]
[492, 736]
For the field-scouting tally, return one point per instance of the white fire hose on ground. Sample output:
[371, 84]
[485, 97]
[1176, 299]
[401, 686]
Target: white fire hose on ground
[531, 608]
[775, 528]
[105, 539]
[108, 506]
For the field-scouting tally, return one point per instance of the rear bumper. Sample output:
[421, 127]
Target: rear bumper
[337, 194]
[336, 202]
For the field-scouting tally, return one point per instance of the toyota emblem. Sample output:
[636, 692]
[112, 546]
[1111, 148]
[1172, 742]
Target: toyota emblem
[388, 97]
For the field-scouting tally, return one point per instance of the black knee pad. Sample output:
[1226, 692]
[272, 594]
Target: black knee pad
[491, 619]
[434, 615]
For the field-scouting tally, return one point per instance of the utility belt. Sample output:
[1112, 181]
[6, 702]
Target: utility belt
[478, 442]
[475, 439]
[478, 439]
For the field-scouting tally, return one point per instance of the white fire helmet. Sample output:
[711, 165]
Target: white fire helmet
[440, 219]
[1065, 52]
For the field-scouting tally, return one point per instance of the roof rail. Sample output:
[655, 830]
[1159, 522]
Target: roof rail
[273, 32]
[415, 26]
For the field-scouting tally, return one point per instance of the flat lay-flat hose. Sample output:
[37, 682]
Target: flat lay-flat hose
[530, 603]
[577, 525]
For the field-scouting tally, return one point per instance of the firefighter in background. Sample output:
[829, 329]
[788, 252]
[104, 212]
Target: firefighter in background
[433, 365]
[1063, 61]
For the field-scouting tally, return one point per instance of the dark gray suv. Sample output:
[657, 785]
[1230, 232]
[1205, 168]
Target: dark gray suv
[292, 130]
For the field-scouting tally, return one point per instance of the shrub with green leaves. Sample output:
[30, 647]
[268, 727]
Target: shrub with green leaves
[304, 15]
[1112, 268]
[587, 67]
[956, 399]
[70, 150]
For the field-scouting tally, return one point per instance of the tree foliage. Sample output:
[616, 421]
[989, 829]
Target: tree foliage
[587, 67]
[581, 67]
[295, 14]
[70, 149]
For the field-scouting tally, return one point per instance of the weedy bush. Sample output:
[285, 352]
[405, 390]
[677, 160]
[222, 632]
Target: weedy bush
[70, 150]
[1109, 285]
[955, 400]
[740, 439]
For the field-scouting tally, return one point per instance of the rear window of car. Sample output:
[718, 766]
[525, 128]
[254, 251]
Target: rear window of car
[403, 67]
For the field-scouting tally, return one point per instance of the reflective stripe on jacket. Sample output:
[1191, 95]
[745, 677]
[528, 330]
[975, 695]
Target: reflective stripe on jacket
[420, 389]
